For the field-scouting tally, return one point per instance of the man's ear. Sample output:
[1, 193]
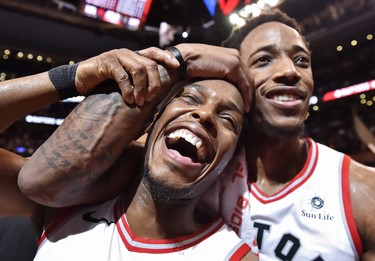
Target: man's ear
[156, 114]
[143, 138]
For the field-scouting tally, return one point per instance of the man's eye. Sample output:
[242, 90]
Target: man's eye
[264, 60]
[231, 122]
[190, 99]
[302, 61]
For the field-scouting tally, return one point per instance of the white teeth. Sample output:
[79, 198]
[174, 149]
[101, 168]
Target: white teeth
[189, 137]
[285, 97]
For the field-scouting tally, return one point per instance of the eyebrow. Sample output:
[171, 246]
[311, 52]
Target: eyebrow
[300, 49]
[271, 47]
[231, 105]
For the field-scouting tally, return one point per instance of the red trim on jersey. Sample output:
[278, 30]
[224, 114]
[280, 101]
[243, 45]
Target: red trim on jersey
[296, 182]
[348, 206]
[159, 246]
[240, 252]
[56, 222]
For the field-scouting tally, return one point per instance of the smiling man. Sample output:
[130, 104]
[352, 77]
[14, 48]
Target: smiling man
[192, 139]
[306, 201]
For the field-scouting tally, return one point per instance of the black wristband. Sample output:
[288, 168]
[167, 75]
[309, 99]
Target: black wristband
[63, 78]
[182, 69]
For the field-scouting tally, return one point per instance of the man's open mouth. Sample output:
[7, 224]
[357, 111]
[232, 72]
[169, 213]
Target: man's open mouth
[188, 145]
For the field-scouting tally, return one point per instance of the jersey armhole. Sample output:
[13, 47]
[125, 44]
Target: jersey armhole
[239, 251]
[348, 206]
[52, 226]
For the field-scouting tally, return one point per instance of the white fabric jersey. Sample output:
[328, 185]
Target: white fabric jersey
[101, 232]
[310, 219]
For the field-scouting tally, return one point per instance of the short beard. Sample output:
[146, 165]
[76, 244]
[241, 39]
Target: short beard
[161, 191]
[269, 130]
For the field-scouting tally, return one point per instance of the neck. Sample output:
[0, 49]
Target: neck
[275, 162]
[157, 218]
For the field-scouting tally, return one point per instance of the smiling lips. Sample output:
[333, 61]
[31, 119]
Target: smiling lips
[285, 97]
[188, 145]
[286, 94]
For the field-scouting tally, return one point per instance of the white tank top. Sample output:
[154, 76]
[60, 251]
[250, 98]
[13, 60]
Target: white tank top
[101, 232]
[310, 219]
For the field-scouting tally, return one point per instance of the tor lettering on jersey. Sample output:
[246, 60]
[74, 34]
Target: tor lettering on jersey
[236, 218]
[241, 202]
[287, 247]
[239, 173]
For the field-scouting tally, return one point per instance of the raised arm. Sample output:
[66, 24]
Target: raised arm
[71, 162]
[24, 95]
[205, 61]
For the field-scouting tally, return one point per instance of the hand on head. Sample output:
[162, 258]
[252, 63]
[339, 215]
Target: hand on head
[206, 61]
[138, 77]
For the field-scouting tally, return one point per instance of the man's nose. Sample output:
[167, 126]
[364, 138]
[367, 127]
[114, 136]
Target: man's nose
[286, 72]
[205, 116]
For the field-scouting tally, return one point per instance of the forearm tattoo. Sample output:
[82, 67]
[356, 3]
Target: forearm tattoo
[95, 133]
[72, 146]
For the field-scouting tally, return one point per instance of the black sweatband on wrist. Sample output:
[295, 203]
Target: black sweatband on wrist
[63, 78]
[182, 69]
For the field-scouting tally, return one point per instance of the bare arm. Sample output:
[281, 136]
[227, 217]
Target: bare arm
[362, 192]
[91, 138]
[24, 95]
[31, 93]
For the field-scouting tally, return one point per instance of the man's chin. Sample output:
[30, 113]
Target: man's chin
[160, 191]
[276, 131]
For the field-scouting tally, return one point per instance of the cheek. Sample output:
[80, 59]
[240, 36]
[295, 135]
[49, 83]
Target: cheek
[259, 76]
[258, 96]
[308, 78]
[227, 147]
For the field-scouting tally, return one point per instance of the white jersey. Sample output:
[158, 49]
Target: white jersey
[101, 232]
[310, 219]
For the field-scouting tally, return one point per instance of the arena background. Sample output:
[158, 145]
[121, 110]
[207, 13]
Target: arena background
[40, 34]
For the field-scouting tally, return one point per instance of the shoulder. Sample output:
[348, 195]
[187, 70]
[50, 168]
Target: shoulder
[362, 193]
[250, 256]
[362, 179]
